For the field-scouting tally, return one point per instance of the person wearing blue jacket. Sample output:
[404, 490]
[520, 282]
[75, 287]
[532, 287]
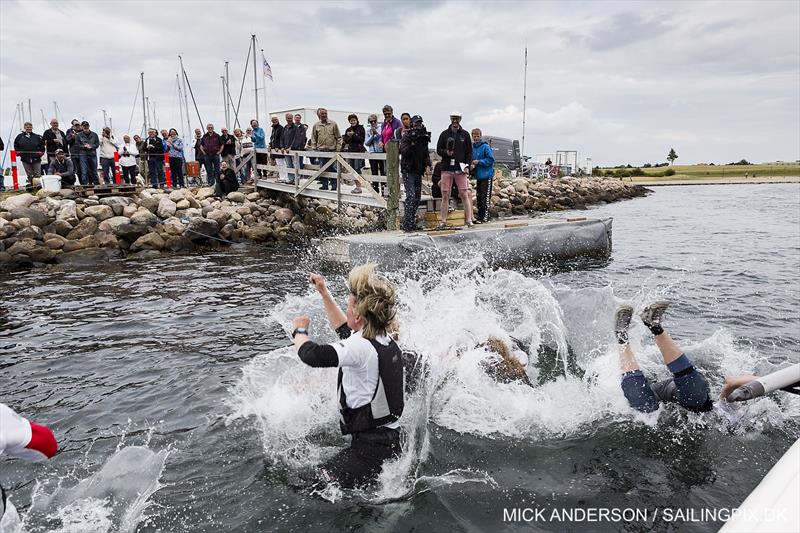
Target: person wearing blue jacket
[259, 139]
[483, 170]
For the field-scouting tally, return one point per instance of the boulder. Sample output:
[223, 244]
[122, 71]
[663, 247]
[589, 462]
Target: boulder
[31, 232]
[131, 232]
[219, 216]
[62, 227]
[149, 241]
[116, 203]
[80, 244]
[144, 217]
[85, 227]
[100, 212]
[151, 204]
[193, 202]
[113, 223]
[54, 242]
[182, 204]
[284, 215]
[173, 226]
[106, 239]
[129, 210]
[68, 212]
[258, 233]
[236, 196]
[177, 243]
[68, 194]
[253, 196]
[177, 195]
[200, 228]
[37, 217]
[22, 246]
[19, 200]
[204, 192]
[166, 207]
[88, 256]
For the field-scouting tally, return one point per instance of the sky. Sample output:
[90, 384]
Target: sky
[620, 82]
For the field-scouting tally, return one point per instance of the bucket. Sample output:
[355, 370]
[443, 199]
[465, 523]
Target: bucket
[193, 169]
[51, 183]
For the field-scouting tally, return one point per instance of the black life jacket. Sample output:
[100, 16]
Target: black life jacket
[387, 401]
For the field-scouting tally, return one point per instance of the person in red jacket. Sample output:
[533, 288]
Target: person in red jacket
[23, 439]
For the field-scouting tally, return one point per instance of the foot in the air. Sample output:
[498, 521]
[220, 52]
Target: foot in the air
[622, 319]
[653, 314]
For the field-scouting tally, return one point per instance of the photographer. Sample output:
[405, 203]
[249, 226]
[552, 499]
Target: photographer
[455, 149]
[370, 382]
[415, 159]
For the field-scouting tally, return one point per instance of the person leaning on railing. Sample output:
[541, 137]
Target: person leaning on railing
[325, 137]
[299, 137]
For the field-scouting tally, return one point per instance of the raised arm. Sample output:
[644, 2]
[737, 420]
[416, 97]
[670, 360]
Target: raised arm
[335, 315]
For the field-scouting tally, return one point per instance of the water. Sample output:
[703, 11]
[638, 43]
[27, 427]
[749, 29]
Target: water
[178, 407]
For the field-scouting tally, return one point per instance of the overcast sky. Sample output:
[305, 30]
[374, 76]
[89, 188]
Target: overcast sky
[621, 82]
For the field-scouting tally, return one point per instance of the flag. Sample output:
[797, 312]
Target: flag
[267, 68]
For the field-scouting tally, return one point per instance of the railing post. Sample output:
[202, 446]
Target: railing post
[393, 184]
[338, 183]
[296, 170]
[167, 171]
[14, 172]
[116, 168]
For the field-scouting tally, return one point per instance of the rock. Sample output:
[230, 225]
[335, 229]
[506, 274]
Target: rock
[113, 223]
[204, 192]
[183, 204]
[55, 242]
[106, 239]
[236, 196]
[22, 223]
[144, 217]
[19, 200]
[80, 244]
[176, 243]
[90, 202]
[89, 256]
[151, 204]
[173, 226]
[284, 215]
[62, 227]
[299, 228]
[219, 216]
[22, 246]
[68, 212]
[31, 232]
[258, 233]
[193, 203]
[100, 212]
[253, 196]
[177, 195]
[68, 194]
[129, 210]
[36, 217]
[200, 228]
[166, 207]
[116, 203]
[131, 232]
[145, 254]
[149, 241]
[85, 227]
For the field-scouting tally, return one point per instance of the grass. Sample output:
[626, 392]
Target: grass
[700, 172]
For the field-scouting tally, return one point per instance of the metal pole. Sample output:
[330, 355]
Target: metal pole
[30, 114]
[226, 97]
[180, 106]
[44, 122]
[224, 101]
[144, 108]
[255, 75]
[155, 117]
[148, 124]
[266, 109]
[524, 108]
[186, 99]
[105, 119]
[111, 123]
[55, 111]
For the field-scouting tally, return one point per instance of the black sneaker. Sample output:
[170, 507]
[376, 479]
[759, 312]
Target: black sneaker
[622, 320]
[653, 314]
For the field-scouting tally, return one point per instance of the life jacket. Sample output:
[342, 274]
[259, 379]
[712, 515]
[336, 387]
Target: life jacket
[387, 401]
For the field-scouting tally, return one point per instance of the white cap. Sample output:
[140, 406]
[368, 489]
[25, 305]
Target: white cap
[455, 114]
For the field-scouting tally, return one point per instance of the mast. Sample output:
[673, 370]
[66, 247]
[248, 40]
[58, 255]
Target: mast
[55, 110]
[144, 109]
[44, 122]
[147, 123]
[266, 109]
[180, 106]
[186, 99]
[105, 119]
[226, 91]
[30, 114]
[524, 109]
[255, 75]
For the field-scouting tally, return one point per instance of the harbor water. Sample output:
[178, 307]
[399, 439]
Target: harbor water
[179, 407]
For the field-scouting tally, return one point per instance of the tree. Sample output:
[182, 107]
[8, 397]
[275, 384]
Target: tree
[672, 156]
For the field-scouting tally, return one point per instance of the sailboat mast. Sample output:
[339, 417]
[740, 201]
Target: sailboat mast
[524, 109]
[255, 75]
[144, 108]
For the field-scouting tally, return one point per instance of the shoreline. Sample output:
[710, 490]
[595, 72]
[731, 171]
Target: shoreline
[716, 181]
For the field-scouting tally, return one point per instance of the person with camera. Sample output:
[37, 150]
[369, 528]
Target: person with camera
[483, 170]
[371, 392]
[455, 148]
[353, 141]
[415, 159]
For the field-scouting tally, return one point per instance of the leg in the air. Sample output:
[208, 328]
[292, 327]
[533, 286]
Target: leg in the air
[634, 385]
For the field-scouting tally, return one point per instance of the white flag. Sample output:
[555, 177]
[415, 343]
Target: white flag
[267, 68]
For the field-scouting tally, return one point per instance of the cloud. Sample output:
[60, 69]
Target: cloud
[565, 120]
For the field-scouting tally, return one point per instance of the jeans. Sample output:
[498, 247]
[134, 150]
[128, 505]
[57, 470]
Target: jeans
[211, 162]
[89, 169]
[155, 169]
[688, 388]
[327, 183]
[76, 164]
[413, 185]
[483, 191]
[107, 164]
[176, 171]
[129, 174]
[32, 170]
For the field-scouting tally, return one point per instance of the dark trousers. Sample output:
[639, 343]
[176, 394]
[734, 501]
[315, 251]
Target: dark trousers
[362, 462]
[223, 187]
[261, 159]
[76, 164]
[129, 174]
[176, 171]
[378, 168]
[413, 185]
[211, 162]
[688, 388]
[483, 191]
[327, 183]
[155, 168]
[89, 169]
[107, 164]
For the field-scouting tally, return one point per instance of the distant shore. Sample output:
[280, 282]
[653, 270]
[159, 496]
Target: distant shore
[649, 181]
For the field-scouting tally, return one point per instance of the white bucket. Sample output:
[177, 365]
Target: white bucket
[51, 183]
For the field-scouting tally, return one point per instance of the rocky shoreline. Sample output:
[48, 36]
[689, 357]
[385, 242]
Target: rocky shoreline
[65, 228]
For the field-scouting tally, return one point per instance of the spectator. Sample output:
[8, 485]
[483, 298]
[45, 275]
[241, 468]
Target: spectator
[128, 153]
[164, 137]
[389, 126]
[89, 142]
[247, 149]
[228, 150]
[154, 149]
[30, 148]
[75, 148]
[405, 120]
[353, 142]
[141, 159]
[483, 170]
[299, 137]
[198, 148]
[287, 138]
[455, 148]
[2, 147]
[415, 160]
[276, 150]
[374, 145]
[259, 141]
[325, 137]
[54, 139]
[62, 166]
[108, 145]
[176, 158]
[227, 181]
[211, 145]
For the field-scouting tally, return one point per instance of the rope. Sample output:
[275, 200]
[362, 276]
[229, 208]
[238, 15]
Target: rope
[210, 237]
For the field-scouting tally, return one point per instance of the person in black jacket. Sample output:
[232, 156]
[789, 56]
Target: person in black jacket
[353, 141]
[455, 149]
[415, 159]
[62, 166]
[54, 139]
[88, 141]
[276, 149]
[75, 148]
[227, 181]
[154, 149]
[30, 148]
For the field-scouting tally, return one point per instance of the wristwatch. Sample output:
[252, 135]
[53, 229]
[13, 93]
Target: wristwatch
[301, 331]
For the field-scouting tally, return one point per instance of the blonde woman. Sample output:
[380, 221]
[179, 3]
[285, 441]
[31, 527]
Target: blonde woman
[370, 382]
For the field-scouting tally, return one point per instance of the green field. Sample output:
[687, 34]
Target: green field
[699, 172]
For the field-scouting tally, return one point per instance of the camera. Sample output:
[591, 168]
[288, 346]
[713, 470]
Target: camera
[419, 133]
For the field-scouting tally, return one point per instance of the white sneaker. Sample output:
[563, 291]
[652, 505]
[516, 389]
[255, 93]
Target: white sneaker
[356, 190]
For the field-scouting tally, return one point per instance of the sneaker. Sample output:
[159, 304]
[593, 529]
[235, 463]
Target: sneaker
[324, 187]
[451, 206]
[356, 190]
[441, 226]
[654, 313]
[622, 319]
